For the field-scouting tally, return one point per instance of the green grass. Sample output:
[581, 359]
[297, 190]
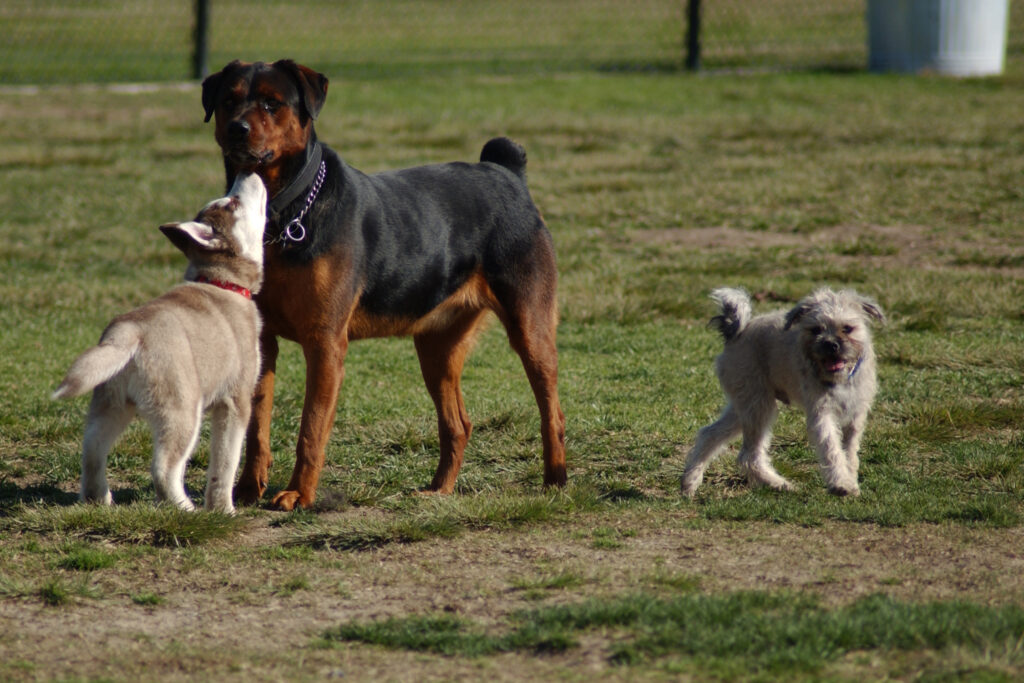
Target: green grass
[657, 188]
[141, 523]
[392, 39]
[440, 518]
[734, 635]
[103, 41]
[86, 559]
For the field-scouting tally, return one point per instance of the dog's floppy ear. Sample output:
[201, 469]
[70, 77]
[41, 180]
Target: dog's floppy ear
[871, 309]
[311, 84]
[211, 89]
[191, 234]
[796, 313]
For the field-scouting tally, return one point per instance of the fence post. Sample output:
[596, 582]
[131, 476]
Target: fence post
[201, 54]
[693, 35]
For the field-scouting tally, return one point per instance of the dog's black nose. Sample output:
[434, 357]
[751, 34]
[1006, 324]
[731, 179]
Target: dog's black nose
[238, 130]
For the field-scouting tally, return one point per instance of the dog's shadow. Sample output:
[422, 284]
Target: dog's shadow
[13, 495]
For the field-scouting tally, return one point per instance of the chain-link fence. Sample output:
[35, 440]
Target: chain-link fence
[69, 41]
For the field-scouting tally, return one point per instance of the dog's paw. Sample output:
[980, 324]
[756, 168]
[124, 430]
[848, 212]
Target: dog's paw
[844, 490]
[248, 492]
[102, 499]
[775, 483]
[783, 485]
[692, 479]
[289, 500]
[556, 477]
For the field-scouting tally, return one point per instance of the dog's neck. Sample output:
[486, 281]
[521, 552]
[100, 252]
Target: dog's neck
[302, 180]
[236, 275]
[230, 286]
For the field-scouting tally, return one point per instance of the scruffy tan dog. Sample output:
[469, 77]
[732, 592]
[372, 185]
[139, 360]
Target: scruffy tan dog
[192, 349]
[817, 356]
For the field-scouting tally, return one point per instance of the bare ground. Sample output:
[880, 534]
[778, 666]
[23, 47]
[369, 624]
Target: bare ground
[216, 624]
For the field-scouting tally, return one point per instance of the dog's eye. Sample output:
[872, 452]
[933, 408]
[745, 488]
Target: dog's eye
[270, 106]
[816, 330]
[848, 329]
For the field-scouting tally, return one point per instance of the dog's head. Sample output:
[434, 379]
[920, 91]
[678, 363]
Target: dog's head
[227, 233]
[834, 331]
[263, 113]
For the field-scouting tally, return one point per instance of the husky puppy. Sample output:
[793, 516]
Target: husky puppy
[193, 349]
[818, 356]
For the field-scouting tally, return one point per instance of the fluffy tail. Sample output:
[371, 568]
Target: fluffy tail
[98, 364]
[507, 153]
[736, 312]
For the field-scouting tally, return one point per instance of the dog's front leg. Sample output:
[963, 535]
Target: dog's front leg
[825, 435]
[851, 442]
[325, 370]
[258, 457]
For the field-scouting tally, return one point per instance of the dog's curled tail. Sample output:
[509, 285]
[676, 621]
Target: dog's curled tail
[507, 153]
[101, 362]
[736, 311]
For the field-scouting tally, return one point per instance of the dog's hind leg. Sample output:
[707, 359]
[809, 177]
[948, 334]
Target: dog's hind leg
[227, 429]
[106, 421]
[442, 354]
[531, 322]
[175, 433]
[710, 441]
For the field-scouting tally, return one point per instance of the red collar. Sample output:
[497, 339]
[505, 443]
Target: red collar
[230, 286]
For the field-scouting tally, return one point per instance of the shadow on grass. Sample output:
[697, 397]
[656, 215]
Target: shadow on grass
[432, 517]
[12, 496]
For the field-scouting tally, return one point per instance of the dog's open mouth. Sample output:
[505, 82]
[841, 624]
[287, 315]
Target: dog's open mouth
[834, 366]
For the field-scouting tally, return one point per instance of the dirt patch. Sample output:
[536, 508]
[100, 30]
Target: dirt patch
[232, 618]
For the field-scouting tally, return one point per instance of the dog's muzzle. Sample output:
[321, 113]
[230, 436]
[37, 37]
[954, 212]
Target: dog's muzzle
[238, 148]
[829, 353]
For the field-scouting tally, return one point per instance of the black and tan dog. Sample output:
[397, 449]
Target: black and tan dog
[424, 251]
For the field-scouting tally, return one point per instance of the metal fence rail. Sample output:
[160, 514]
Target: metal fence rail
[69, 41]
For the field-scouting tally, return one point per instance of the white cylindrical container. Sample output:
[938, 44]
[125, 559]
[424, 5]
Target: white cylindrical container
[954, 37]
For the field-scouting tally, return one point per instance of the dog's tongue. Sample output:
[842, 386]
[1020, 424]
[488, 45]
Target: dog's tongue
[836, 367]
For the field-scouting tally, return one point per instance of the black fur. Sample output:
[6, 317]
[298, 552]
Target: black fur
[418, 233]
[727, 324]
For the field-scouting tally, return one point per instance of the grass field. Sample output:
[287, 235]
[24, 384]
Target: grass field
[657, 187]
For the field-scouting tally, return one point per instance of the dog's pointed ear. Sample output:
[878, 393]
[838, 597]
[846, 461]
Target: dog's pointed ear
[312, 85]
[191, 235]
[796, 313]
[211, 89]
[871, 309]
